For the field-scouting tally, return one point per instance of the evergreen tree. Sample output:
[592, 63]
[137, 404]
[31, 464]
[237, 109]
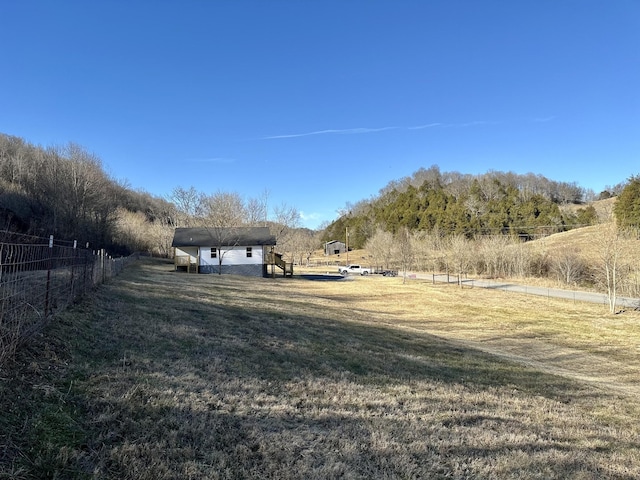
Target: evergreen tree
[493, 203]
[627, 206]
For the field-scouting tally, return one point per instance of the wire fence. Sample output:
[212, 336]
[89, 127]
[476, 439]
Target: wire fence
[39, 276]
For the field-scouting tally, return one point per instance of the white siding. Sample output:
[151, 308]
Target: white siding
[233, 256]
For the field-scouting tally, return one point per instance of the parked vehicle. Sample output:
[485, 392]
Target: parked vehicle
[354, 270]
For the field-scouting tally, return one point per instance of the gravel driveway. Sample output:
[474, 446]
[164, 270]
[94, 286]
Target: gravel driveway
[576, 295]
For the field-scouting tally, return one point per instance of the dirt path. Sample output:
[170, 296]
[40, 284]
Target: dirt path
[567, 362]
[598, 371]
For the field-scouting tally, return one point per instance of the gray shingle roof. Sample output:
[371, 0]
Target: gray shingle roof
[206, 237]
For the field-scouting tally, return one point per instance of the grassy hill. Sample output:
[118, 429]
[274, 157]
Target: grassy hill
[604, 208]
[589, 242]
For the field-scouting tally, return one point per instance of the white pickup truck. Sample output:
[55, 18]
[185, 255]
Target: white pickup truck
[354, 269]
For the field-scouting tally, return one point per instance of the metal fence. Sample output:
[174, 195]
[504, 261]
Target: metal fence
[39, 276]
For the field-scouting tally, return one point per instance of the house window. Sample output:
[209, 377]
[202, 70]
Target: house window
[249, 252]
[214, 252]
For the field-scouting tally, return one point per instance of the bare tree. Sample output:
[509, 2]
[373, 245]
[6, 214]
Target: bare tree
[223, 213]
[610, 274]
[160, 236]
[518, 258]
[302, 244]
[257, 209]
[382, 247]
[405, 251]
[423, 250]
[80, 198]
[285, 220]
[188, 205]
[89, 191]
[460, 251]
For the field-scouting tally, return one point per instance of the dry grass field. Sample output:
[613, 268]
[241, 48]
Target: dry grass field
[165, 375]
[587, 243]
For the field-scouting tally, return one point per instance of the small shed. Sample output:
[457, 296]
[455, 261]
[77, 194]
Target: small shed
[334, 247]
[235, 250]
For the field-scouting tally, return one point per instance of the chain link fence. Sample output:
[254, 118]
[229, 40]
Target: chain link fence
[39, 276]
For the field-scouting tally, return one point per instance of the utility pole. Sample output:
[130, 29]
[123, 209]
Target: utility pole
[346, 237]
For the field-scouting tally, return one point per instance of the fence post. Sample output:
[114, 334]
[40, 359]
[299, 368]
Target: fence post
[74, 261]
[46, 297]
[102, 265]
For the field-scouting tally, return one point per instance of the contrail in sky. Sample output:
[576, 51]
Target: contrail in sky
[211, 160]
[428, 125]
[355, 131]
[544, 119]
[347, 131]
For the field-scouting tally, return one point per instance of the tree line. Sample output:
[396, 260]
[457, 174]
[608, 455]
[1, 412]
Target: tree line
[64, 191]
[469, 205]
[611, 267]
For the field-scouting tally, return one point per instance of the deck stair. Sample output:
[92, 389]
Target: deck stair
[276, 259]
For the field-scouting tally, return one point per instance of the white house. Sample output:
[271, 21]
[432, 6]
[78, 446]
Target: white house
[239, 250]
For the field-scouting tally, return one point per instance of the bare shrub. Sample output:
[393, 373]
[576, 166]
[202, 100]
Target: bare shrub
[568, 266]
[493, 260]
[461, 253]
[382, 248]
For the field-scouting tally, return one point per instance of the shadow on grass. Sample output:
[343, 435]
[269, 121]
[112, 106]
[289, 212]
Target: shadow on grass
[321, 277]
[179, 379]
[281, 345]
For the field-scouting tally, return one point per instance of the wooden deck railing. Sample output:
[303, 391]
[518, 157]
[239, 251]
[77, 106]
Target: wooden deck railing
[186, 261]
[276, 259]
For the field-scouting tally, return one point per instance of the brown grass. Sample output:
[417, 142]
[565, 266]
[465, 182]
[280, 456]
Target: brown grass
[168, 375]
[586, 242]
[604, 208]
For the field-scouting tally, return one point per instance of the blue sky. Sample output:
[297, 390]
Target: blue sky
[323, 103]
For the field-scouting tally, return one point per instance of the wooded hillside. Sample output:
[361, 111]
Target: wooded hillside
[65, 192]
[470, 205]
